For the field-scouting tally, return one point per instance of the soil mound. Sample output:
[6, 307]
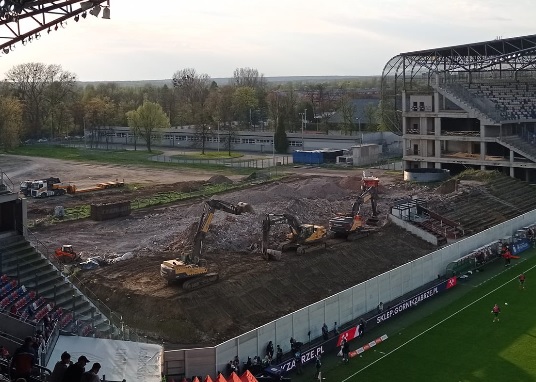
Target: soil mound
[219, 179]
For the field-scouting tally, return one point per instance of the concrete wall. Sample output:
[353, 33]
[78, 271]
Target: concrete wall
[426, 236]
[349, 304]
[366, 154]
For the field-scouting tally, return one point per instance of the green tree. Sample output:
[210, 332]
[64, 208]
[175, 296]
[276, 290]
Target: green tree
[244, 101]
[148, 119]
[98, 112]
[10, 122]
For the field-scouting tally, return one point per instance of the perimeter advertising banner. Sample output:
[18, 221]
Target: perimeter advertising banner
[411, 302]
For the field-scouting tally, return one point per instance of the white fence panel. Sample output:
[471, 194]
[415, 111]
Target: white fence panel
[373, 295]
[332, 311]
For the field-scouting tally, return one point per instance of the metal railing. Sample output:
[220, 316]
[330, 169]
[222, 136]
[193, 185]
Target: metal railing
[481, 105]
[6, 184]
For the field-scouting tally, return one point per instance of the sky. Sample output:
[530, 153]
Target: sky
[152, 39]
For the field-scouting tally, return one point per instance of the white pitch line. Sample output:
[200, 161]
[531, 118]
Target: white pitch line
[433, 326]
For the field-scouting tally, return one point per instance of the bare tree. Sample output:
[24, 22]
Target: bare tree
[40, 87]
[10, 122]
[193, 90]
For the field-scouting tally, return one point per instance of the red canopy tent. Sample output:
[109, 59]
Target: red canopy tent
[248, 377]
[234, 378]
[196, 379]
[208, 379]
[220, 378]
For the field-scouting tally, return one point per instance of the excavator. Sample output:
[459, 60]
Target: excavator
[352, 225]
[191, 270]
[300, 238]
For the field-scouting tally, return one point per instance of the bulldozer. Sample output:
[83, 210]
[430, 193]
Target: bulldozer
[300, 238]
[191, 270]
[66, 254]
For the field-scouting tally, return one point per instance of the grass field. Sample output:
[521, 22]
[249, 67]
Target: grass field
[140, 157]
[454, 338]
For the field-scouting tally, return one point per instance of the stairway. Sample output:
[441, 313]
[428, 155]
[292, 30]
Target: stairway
[520, 146]
[470, 102]
[20, 261]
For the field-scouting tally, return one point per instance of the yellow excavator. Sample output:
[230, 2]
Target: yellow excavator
[353, 225]
[300, 238]
[191, 270]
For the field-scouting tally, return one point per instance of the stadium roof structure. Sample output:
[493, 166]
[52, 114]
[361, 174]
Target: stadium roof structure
[507, 56]
[23, 20]
[511, 54]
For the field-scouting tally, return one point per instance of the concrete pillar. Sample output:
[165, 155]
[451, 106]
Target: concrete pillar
[437, 165]
[512, 163]
[482, 167]
[482, 150]
[437, 144]
[436, 103]
[437, 127]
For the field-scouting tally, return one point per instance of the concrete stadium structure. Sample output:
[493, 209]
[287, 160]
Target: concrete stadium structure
[466, 106]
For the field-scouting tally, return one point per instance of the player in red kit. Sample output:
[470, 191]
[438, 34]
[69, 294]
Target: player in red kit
[522, 281]
[496, 311]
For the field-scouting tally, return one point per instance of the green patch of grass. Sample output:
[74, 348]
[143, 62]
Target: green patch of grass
[209, 155]
[460, 341]
[87, 155]
[120, 157]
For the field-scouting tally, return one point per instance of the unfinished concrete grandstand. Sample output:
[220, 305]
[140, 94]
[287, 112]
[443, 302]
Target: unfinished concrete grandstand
[466, 106]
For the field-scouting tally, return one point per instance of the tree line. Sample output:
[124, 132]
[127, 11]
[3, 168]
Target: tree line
[45, 101]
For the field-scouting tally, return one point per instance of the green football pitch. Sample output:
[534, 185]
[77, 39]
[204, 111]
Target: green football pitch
[453, 337]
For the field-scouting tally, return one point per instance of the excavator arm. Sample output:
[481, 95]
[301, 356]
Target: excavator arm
[368, 194]
[205, 220]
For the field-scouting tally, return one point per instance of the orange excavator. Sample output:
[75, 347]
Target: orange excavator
[66, 254]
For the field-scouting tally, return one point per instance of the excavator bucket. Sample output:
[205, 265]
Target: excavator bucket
[273, 254]
[245, 207]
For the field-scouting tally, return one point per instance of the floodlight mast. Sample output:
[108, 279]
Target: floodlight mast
[41, 15]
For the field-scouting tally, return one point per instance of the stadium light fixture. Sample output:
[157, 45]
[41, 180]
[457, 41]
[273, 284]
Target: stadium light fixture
[95, 10]
[6, 50]
[84, 15]
[76, 18]
[106, 13]
[85, 5]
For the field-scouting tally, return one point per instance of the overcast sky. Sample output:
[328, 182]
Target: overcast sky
[152, 39]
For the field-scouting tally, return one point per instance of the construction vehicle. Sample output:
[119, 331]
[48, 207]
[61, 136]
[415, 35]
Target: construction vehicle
[26, 185]
[49, 187]
[300, 238]
[66, 254]
[353, 225]
[191, 269]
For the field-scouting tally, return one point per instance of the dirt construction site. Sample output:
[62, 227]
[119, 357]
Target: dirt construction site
[251, 291]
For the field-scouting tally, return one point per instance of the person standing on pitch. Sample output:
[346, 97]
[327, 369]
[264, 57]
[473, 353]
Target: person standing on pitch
[522, 281]
[496, 311]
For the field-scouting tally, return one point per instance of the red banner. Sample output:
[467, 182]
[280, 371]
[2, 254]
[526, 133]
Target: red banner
[350, 334]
